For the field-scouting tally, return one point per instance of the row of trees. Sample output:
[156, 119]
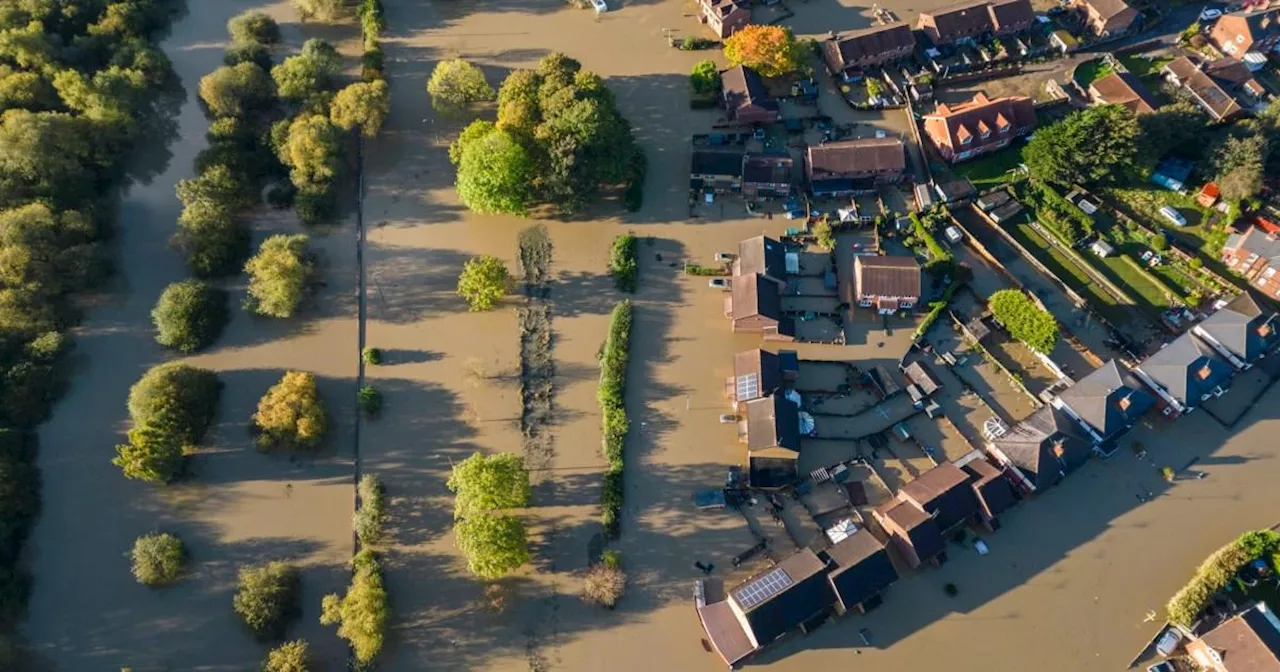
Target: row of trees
[558, 140]
[493, 543]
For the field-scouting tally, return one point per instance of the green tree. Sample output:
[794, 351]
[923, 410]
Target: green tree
[27, 90]
[219, 188]
[476, 130]
[495, 175]
[1026, 321]
[363, 104]
[292, 656]
[771, 51]
[1097, 145]
[213, 241]
[370, 519]
[177, 399]
[483, 483]
[152, 454]
[306, 77]
[493, 545]
[313, 151]
[1238, 163]
[237, 91]
[362, 613]
[1176, 128]
[455, 85]
[291, 415]
[157, 559]
[369, 399]
[253, 27]
[484, 280]
[278, 275]
[705, 78]
[321, 10]
[46, 156]
[248, 52]
[268, 598]
[50, 251]
[189, 315]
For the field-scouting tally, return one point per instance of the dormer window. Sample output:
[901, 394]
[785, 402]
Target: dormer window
[984, 129]
[1002, 124]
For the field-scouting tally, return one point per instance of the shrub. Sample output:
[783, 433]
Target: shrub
[638, 168]
[493, 545]
[372, 66]
[1168, 473]
[370, 401]
[292, 656]
[371, 518]
[705, 78]
[267, 598]
[361, 615]
[951, 590]
[177, 399]
[604, 585]
[371, 356]
[457, 84]
[483, 483]
[291, 415]
[611, 559]
[1025, 321]
[824, 236]
[623, 263]
[189, 315]
[614, 357]
[363, 105]
[151, 455]
[248, 52]
[321, 10]
[372, 22]
[1217, 571]
[278, 276]
[484, 280]
[237, 91]
[253, 27]
[925, 233]
[157, 559]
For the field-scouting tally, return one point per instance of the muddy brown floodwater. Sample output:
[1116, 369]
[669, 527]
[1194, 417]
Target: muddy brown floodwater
[1066, 586]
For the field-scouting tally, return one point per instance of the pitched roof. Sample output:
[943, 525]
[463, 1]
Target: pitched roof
[754, 296]
[849, 157]
[725, 632]
[1109, 9]
[773, 422]
[1244, 327]
[859, 568]
[1255, 24]
[945, 493]
[1254, 241]
[757, 373]
[918, 372]
[1187, 368]
[955, 122]
[1248, 641]
[767, 168]
[1046, 446]
[1106, 401]
[922, 532]
[964, 18]
[886, 276]
[867, 43]
[1122, 88]
[992, 487]
[1207, 84]
[1006, 13]
[762, 255]
[742, 87]
[781, 598]
[716, 162]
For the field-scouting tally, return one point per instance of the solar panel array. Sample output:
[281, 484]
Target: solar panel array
[763, 588]
[748, 386]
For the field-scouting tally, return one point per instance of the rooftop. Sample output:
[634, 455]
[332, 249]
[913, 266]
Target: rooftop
[886, 276]
[848, 157]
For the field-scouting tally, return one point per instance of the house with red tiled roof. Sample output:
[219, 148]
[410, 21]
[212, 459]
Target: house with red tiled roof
[1254, 30]
[1107, 17]
[849, 53]
[969, 130]
[1247, 642]
[724, 17]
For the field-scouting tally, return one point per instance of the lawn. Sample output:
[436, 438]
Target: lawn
[1066, 270]
[1091, 71]
[1150, 297]
[991, 170]
[1141, 66]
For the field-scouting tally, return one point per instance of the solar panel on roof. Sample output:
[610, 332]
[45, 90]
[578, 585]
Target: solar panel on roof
[764, 588]
[748, 386]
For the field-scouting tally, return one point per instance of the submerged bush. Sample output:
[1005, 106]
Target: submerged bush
[189, 315]
[157, 559]
[361, 615]
[291, 414]
[623, 263]
[268, 598]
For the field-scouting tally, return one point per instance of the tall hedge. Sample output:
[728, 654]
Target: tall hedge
[623, 263]
[614, 358]
[1217, 571]
[1026, 321]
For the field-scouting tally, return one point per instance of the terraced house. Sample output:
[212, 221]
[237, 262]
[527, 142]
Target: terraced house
[1255, 31]
[849, 54]
[968, 22]
[1255, 255]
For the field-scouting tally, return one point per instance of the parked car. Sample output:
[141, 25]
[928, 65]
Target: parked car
[1210, 14]
[600, 6]
[718, 283]
[725, 256]
[1166, 666]
[1170, 213]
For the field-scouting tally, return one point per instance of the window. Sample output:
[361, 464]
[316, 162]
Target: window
[1269, 272]
[966, 139]
[907, 304]
[865, 303]
[986, 133]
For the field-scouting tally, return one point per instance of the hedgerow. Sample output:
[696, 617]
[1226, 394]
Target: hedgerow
[1217, 571]
[623, 263]
[614, 358]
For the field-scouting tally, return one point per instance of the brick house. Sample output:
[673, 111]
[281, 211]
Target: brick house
[975, 20]
[1224, 88]
[847, 55]
[847, 167]
[888, 283]
[723, 17]
[718, 170]
[767, 175]
[1249, 641]
[1255, 255]
[1247, 31]
[755, 306]
[969, 130]
[1122, 88]
[1011, 17]
[1107, 17]
[745, 99]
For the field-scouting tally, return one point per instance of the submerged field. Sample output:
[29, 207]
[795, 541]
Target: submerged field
[1067, 584]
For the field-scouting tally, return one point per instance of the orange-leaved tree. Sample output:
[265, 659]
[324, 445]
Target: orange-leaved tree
[769, 50]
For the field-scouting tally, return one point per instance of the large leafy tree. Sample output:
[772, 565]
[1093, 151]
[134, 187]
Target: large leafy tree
[291, 414]
[157, 559]
[455, 85]
[705, 78]
[362, 613]
[292, 656]
[494, 545]
[305, 78]
[495, 174]
[237, 91]
[253, 26]
[364, 105]
[189, 315]
[46, 155]
[321, 10]
[151, 454]
[1176, 128]
[771, 51]
[483, 483]
[1098, 145]
[278, 275]
[51, 251]
[1238, 164]
[1026, 321]
[483, 282]
[313, 151]
[176, 398]
[268, 598]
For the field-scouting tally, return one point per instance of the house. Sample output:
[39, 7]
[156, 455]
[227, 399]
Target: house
[848, 167]
[982, 125]
[716, 170]
[1255, 255]
[1243, 331]
[1222, 88]
[858, 568]
[1106, 403]
[767, 606]
[1247, 31]
[762, 256]
[771, 430]
[745, 99]
[760, 373]
[1010, 17]
[1122, 88]
[945, 493]
[767, 175]
[911, 531]
[963, 22]
[755, 306]
[1107, 17]
[1184, 373]
[1041, 450]
[888, 283]
[1247, 642]
[847, 55]
[995, 494]
[723, 17]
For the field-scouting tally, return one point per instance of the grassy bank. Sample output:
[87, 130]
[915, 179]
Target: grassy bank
[614, 357]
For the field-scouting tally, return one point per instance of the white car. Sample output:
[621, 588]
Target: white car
[601, 6]
[1170, 213]
[718, 283]
[725, 256]
[1210, 14]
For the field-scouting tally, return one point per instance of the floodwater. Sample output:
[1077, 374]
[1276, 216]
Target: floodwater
[240, 506]
[1070, 576]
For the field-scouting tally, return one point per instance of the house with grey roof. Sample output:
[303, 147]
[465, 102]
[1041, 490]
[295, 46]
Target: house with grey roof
[1255, 255]
[771, 429]
[1106, 403]
[764, 256]
[760, 373]
[1041, 450]
[858, 568]
[1243, 331]
[1184, 373]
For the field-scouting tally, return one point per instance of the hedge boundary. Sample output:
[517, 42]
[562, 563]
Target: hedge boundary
[1217, 571]
[624, 263]
[614, 357]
